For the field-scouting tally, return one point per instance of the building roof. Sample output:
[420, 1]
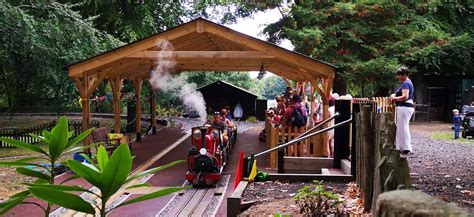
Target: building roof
[229, 84]
[201, 45]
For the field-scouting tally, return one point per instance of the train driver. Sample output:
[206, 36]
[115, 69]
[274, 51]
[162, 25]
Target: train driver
[219, 122]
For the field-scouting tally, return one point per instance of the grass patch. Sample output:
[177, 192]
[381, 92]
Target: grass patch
[9, 152]
[450, 136]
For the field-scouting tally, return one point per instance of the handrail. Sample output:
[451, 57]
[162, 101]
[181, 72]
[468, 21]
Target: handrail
[320, 124]
[302, 138]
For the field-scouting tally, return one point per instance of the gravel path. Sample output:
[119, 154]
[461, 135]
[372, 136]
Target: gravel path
[442, 168]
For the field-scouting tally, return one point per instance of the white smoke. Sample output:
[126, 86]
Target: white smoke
[161, 78]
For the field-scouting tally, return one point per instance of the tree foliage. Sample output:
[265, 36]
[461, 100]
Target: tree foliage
[37, 40]
[369, 39]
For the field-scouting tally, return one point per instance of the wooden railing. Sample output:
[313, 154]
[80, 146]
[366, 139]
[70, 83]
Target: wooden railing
[311, 147]
[24, 134]
[314, 147]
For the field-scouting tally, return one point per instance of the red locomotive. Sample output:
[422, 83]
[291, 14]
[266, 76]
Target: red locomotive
[207, 156]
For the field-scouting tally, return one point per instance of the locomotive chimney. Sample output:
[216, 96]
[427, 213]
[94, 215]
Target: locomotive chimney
[203, 136]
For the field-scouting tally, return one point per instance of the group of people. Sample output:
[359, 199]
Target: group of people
[223, 121]
[293, 112]
[290, 108]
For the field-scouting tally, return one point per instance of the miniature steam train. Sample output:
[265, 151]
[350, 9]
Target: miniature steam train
[207, 155]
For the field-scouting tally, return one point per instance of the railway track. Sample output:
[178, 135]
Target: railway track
[202, 201]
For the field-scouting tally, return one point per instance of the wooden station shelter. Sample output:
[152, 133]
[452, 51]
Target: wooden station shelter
[199, 45]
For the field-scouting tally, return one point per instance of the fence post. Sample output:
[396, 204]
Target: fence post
[366, 156]
[281, 161]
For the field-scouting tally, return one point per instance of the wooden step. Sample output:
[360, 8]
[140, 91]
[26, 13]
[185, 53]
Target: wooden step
[346, 166]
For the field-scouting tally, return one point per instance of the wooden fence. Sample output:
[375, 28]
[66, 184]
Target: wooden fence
[24, 134]
[379, 167]
[311, 147]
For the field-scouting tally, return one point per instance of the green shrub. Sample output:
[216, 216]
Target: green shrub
[316, 200]
[252, 119]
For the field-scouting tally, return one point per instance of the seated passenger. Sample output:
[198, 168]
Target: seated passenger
[228, 122]
[219, 123]
[228, 115]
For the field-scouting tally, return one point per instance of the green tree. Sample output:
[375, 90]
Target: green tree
[272, 86]
[37, 40]
[369, 39]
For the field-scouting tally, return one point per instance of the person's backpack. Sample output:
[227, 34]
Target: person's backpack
[298, 118]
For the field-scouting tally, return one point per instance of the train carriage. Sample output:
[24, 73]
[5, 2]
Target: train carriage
[207, 155]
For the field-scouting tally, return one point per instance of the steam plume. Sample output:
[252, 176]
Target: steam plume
[161, 78]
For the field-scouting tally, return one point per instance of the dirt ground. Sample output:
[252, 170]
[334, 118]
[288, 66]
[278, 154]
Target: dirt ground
[276, 197]
[443, 167]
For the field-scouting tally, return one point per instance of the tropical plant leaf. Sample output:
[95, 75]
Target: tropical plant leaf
[20, 164]
[85, 156]
[13, 201]
[66, 200]
[75, 176]
[24, 145]
[76, 149]
[153, 195]
[85, 172]
[116, 171]
[36, 137]
[59, 137]
[102, 158]
[47, 136]
[79, 137]
[70, 134]
[32, 173]
[7, 205]
[61, 187]
[153, 170]
[139, 186]
[28, 159]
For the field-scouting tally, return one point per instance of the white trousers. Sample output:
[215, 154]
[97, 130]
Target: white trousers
[403, 138]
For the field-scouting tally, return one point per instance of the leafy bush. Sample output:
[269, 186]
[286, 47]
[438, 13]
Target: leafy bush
[316, 200]
[252, 119]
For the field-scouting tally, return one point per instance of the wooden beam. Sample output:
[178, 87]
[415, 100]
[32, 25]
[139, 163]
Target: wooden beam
[78, 68]
[133, 70]
[267, 48]
[116, 84]
[307, 164]
[178, 55]
[117, 65]
[152, 110]
[200, 26]
[96, 83]
[217, 68]
[137, 83]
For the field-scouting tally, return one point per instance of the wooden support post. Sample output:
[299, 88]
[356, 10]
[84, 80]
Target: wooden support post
[366, 155]
[138, 108]
[116, 84]
[281, 163]
[153, 112]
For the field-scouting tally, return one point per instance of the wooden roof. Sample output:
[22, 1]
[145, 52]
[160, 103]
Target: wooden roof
[201, 45]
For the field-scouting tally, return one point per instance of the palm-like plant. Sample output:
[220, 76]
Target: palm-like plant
[109, 175]
[59, 143]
